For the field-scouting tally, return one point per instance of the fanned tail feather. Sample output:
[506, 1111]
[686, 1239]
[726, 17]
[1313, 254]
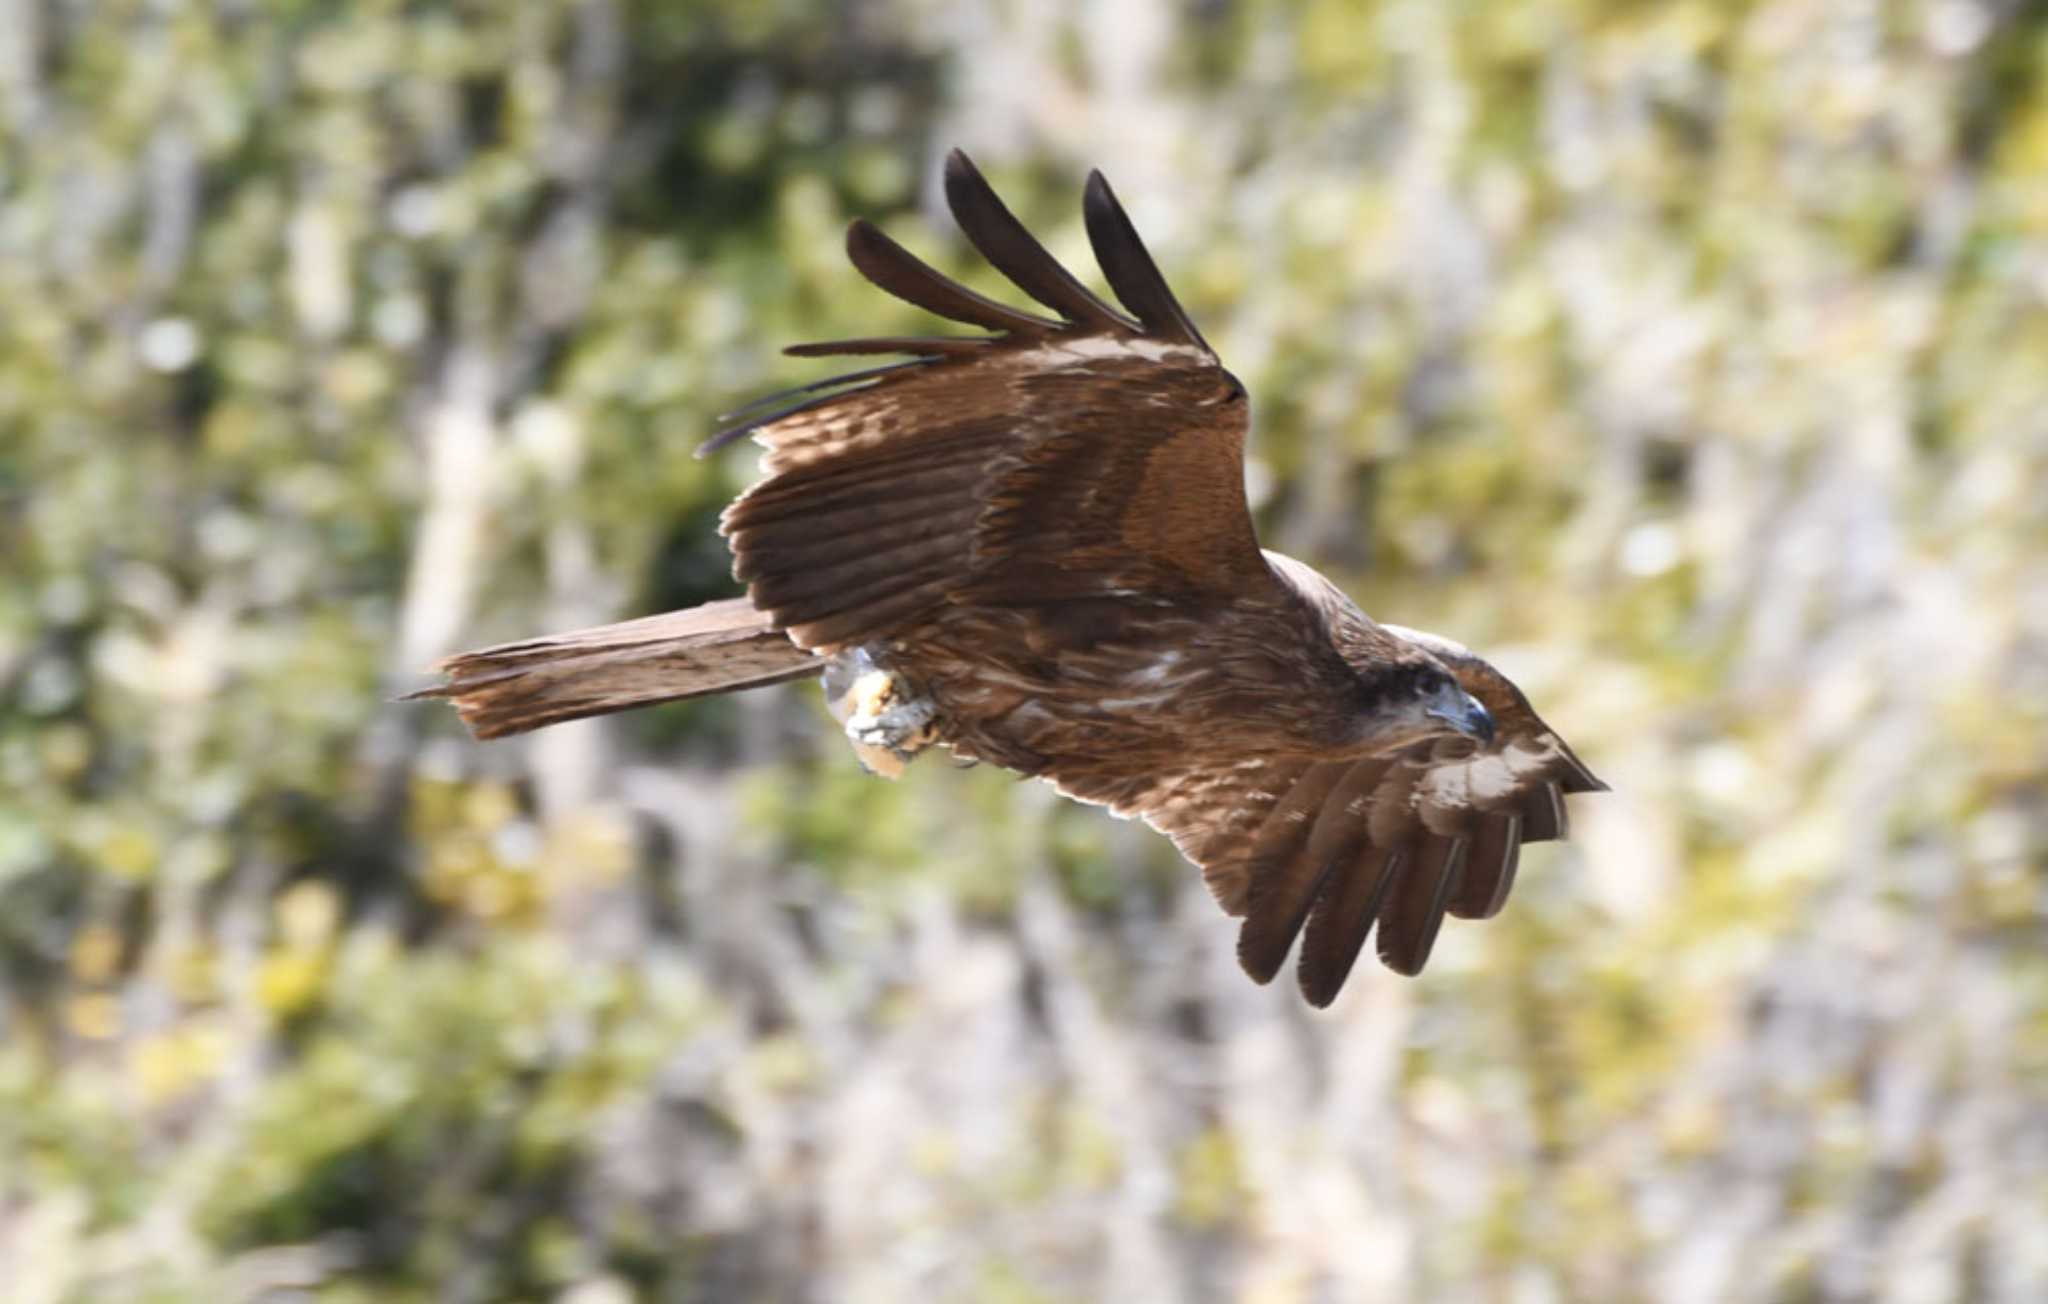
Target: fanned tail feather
[716, 648]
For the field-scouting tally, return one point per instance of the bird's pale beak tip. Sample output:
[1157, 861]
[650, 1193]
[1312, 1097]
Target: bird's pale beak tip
[1467, 714]
[1478, 720]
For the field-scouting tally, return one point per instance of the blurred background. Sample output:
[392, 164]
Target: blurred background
[1689, 358]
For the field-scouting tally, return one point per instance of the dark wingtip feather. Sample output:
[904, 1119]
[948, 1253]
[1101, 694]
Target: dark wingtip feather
[1351, 900]
[1415, 915]
[830, 382]
[719, 439]
[1130, 269]
[1274, 917]
[1543, 814]
[1012, 250]
[922, 346]
[1260, 974]
[1580, 778]
[901, 273]
[1490, 865]
[729, 434]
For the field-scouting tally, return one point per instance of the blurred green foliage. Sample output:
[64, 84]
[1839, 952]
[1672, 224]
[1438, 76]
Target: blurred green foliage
[1691, 357]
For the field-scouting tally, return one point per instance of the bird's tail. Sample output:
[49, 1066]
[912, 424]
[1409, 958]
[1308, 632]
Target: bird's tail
[716, 648]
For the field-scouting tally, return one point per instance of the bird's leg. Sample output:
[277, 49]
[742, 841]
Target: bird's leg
[886, 718]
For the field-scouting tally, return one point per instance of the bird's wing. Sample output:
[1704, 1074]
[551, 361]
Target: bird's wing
[1092, 453]
[1328, 851]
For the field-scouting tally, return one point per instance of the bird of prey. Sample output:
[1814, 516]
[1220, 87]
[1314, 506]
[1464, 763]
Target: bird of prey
[1030, 545]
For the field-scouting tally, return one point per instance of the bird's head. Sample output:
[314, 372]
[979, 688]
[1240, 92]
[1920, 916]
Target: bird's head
[1417, 700]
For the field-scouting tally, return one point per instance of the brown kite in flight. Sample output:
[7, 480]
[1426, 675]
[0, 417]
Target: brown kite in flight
[1032, 546]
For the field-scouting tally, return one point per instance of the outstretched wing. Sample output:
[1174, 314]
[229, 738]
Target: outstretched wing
[1091, 453]
[1330, 851]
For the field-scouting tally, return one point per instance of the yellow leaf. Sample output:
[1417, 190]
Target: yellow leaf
[95, 1015]
[95, 952]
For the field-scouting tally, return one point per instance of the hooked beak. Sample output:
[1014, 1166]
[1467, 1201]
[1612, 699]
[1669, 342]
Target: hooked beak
[1463, 712]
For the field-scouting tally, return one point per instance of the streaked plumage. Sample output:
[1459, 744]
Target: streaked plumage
[1042, 533]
